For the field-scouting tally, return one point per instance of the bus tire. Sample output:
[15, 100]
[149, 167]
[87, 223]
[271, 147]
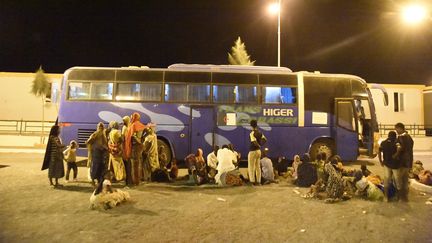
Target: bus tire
[322, 146]
[164, 147]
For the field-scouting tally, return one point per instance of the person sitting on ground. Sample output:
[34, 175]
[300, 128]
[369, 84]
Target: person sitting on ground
[319, 165]
[212, 162]
[417, 167]
[334, 184]
[225, 162]
[236, 155]
[105, 197]
[267, 175]
[197, 167]
[295, 165]
[306, 174]
[70, 158]
[173, 172]
[281, 167]
[366, 188]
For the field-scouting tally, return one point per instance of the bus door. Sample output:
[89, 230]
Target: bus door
[202, 128]
[365, 126]
[346, 129]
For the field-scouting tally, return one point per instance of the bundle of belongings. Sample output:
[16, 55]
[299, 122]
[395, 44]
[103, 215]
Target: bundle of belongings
[420, 174]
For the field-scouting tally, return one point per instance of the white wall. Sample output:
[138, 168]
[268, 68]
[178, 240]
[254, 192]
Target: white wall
[17, 102]
[413, 112]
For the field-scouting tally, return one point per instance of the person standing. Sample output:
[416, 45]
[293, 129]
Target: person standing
[151, 163]
[53, 160]
[128, 176]
[256, 140]
[134, 147]
[115, 150]
[99, 146]
[391, 165]
[404, 153]
[70, 158]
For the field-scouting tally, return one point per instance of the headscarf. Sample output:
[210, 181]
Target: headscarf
[134, 126]
[53, 132]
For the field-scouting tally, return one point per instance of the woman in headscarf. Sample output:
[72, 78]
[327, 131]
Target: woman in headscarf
[133, 147]
[126, 161]
[306, 173]
[335, 184]
[151, 162]
[115, 150]
[99, 146]
[53, 160]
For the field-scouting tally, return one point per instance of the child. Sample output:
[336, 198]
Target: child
[105, 196]
[70, 158]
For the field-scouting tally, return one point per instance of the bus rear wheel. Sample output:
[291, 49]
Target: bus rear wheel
[164, 151]
[319, 147]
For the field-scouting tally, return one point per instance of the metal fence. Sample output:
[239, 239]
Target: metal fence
[415, 130]
[25, 127]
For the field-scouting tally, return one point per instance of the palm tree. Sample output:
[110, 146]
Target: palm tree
[40, 88]
[239, 55]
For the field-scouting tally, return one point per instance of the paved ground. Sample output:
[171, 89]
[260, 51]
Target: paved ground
[33, 212]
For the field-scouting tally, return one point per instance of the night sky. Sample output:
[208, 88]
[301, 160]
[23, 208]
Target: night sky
[360, 37]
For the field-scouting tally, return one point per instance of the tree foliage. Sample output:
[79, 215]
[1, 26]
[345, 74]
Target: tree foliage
[239, 55]
[40, 86]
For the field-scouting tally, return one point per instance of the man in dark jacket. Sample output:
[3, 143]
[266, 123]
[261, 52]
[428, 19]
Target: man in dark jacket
[388, 149]
[404, 153]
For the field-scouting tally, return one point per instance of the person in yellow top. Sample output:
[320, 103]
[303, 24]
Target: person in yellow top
[70, 158]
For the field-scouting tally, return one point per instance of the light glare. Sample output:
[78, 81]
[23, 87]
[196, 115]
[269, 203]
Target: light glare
[273, 8]
[414, 14]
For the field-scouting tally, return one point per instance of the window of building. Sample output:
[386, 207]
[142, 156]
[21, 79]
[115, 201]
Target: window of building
[398, 101]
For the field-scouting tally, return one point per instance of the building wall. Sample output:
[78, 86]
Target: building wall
[17, 102]
[427, 97]
[413, 111]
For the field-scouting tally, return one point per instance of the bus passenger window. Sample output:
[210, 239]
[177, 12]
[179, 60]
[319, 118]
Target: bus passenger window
[139, 92]
[279, 95]
[223, 93]
[199, 92]
[175, 92]
[79, 91]
[101, 91]
[246, 94]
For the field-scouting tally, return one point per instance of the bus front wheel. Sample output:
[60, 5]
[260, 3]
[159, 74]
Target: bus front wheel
[164, 151]
[319, 147]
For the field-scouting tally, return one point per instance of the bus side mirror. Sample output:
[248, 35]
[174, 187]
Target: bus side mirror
[383, 90]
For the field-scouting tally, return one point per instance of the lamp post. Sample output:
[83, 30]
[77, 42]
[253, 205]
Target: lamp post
[275, 8]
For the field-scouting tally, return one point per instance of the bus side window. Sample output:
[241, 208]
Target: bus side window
[223, 93]
[176, 92]
[279, 95]
[246, 94]
[101, 91]
[199, 92]
[79, 90]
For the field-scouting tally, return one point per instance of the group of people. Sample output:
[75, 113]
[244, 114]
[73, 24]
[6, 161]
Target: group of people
[132, 155]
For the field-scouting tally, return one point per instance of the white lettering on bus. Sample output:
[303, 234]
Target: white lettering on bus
[278, 112]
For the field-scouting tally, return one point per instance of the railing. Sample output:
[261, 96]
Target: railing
[25, 127]
[415, 130]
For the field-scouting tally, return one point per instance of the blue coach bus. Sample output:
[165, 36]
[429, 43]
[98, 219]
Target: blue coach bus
[206, 105]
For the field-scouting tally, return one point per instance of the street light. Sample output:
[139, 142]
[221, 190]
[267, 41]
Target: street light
[414, 14]
[275, 8]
